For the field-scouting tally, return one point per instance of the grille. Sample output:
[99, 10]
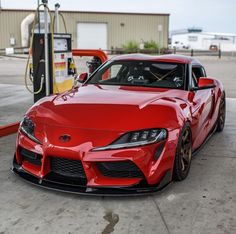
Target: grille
[124, 169]
[67, 167]
[30, 156]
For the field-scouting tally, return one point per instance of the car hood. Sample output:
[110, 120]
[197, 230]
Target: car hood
[118, 108]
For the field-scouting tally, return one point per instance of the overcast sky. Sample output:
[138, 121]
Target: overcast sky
[211, 15]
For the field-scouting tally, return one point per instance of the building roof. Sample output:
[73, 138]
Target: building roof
[94, 12]
[200, 31]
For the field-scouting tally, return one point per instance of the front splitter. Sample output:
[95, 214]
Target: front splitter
[93, 191]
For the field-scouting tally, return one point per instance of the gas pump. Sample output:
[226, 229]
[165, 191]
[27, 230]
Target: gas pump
[52, 68]
[60, 64]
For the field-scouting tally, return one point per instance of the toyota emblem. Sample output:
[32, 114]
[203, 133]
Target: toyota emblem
[64, 138]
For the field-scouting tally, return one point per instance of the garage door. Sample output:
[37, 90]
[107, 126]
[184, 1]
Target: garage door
[92, 36]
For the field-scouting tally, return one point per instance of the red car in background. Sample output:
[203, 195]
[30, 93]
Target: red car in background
[130, 128]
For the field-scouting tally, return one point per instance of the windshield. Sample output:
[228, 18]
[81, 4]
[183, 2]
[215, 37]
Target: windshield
[141, 73]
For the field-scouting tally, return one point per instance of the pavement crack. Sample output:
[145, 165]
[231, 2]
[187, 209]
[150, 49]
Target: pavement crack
[162, 217]
[194, 217]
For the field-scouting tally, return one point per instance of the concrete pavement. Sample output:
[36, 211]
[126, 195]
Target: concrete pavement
[15, 101]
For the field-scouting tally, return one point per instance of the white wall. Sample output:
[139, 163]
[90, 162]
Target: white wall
[228, 47]
[201, 41]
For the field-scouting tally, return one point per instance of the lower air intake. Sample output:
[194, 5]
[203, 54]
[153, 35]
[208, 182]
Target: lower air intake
[123, 169]
[30, 156]
[67, 167]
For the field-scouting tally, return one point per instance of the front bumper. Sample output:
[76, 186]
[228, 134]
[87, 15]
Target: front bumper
[139, 189]
[148, 174]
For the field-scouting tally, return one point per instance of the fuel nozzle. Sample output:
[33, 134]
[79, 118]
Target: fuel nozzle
[72, 67]
[31, 73]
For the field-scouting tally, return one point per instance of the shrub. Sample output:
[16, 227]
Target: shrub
[151, 45]
[131, 47]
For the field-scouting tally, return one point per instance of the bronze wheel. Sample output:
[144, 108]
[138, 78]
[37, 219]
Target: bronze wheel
[183, 154]
[186, 150]
[221, 116]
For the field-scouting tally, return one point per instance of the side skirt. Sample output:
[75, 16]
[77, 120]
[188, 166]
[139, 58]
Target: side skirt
[211, 133]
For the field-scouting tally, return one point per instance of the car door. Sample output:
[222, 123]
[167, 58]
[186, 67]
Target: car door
[202, 106]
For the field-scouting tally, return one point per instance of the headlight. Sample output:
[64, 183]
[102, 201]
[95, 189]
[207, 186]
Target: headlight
[27, 128]
[136, 138]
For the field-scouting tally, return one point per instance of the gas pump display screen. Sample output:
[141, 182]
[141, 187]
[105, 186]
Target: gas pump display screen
[60, 44]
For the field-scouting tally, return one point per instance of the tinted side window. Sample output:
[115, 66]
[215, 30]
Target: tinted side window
[197, 72]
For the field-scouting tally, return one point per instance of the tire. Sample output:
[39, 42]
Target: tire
[221, 116]
[183, 155]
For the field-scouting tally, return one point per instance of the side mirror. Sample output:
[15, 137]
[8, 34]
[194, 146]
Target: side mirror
[205, 83]
[82, 77]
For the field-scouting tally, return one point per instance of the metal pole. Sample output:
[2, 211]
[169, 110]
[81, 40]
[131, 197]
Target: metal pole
[191, 52]
[159, 29]
[46, 49]
[57, 6]
[38, 18]
[220, 53]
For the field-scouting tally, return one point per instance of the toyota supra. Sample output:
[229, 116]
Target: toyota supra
[129, 128]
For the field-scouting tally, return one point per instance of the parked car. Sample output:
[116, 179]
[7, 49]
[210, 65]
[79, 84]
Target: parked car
[213, 48]
[130, 128]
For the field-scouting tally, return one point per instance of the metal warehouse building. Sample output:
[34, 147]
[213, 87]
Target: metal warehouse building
[92, 30]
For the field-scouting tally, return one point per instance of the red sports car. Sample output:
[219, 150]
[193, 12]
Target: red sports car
[130, 128]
